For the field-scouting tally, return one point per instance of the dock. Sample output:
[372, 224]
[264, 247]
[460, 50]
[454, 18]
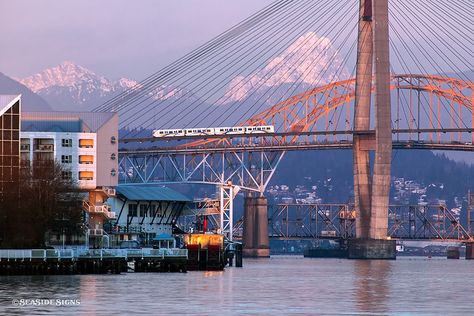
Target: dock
[91, 261]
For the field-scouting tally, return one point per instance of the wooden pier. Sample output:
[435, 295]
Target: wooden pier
[91, 261]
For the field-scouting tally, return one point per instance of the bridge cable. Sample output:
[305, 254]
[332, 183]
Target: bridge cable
[423, 53]
[175, 102]
[204, 82]
[196, 52]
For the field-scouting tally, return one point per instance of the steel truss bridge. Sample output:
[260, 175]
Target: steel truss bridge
[430, 112]
[337, 221]
[412, 222]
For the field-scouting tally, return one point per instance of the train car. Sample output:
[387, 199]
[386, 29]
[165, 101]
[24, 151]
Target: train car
[229, 130]
[259, 129]
[168, 133]
[199, 131]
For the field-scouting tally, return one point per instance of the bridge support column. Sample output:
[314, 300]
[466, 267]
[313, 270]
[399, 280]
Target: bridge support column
[372, 192]
[255, 235]
[470, 251]
[371, 249]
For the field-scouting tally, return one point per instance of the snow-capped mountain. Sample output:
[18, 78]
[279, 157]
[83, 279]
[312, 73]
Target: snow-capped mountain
[30, 101]
[310, 61]
[70, 86]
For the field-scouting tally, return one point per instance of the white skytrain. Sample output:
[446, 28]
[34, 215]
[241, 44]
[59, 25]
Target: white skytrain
[210, 131]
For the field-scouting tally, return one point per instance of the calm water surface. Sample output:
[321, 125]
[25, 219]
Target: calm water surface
[276, 286]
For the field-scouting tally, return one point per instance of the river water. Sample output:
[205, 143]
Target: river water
[280, 285]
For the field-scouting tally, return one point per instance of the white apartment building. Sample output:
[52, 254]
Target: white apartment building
[85, 143]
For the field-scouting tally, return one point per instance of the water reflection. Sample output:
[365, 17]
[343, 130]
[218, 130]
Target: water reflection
[371, 286]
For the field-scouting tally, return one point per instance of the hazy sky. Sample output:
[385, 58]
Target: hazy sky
[131, 38]
[135, 38]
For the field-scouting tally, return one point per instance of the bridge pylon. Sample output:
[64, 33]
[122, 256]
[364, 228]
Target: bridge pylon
[372, 188]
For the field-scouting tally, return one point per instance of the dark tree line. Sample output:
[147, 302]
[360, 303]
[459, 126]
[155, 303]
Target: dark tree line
[42, 200]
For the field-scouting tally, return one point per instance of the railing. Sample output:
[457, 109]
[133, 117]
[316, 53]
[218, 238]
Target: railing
[24, 147]
[29, 254]
[15, 254]
[109, 191]
[44, 147]
[96, 232]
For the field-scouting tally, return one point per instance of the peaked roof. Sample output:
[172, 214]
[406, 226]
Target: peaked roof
[7, 101]
[87, 122]
[150, 193]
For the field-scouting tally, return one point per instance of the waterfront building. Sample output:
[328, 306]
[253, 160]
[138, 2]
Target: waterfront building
[146, 214]
[86, 145]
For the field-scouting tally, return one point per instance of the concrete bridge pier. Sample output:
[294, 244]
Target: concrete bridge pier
[372, 189]
[255, 234]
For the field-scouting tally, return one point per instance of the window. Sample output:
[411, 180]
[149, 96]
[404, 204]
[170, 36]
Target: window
[86, 159]
[66, 142]
[143, 210]
[113, 140]
[66, 175]
[86, 175]
[132, 209]
[66, 158]
[86, 143]
[152, 210]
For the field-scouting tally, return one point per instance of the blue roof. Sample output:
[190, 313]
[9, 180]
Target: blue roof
[150, 193]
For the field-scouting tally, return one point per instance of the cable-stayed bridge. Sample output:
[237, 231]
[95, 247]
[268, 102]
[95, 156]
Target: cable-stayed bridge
[361, 75]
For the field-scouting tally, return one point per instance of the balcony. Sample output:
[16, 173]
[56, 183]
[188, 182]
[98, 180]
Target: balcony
[44, 147]
[86, 175]
[109, 191]
[96, 232]
[103, 209]
[24, 147]
[86, 159]
[86, 143]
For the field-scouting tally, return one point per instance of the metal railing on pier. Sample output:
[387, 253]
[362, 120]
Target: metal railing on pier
[74, 254]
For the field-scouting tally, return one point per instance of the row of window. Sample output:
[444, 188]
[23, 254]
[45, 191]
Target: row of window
[82, 175]
[83, 159]
[83, 143]
[145, 210]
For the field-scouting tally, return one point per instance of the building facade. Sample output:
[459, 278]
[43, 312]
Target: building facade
[145, 213]
[10, 107]
[86, 146]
